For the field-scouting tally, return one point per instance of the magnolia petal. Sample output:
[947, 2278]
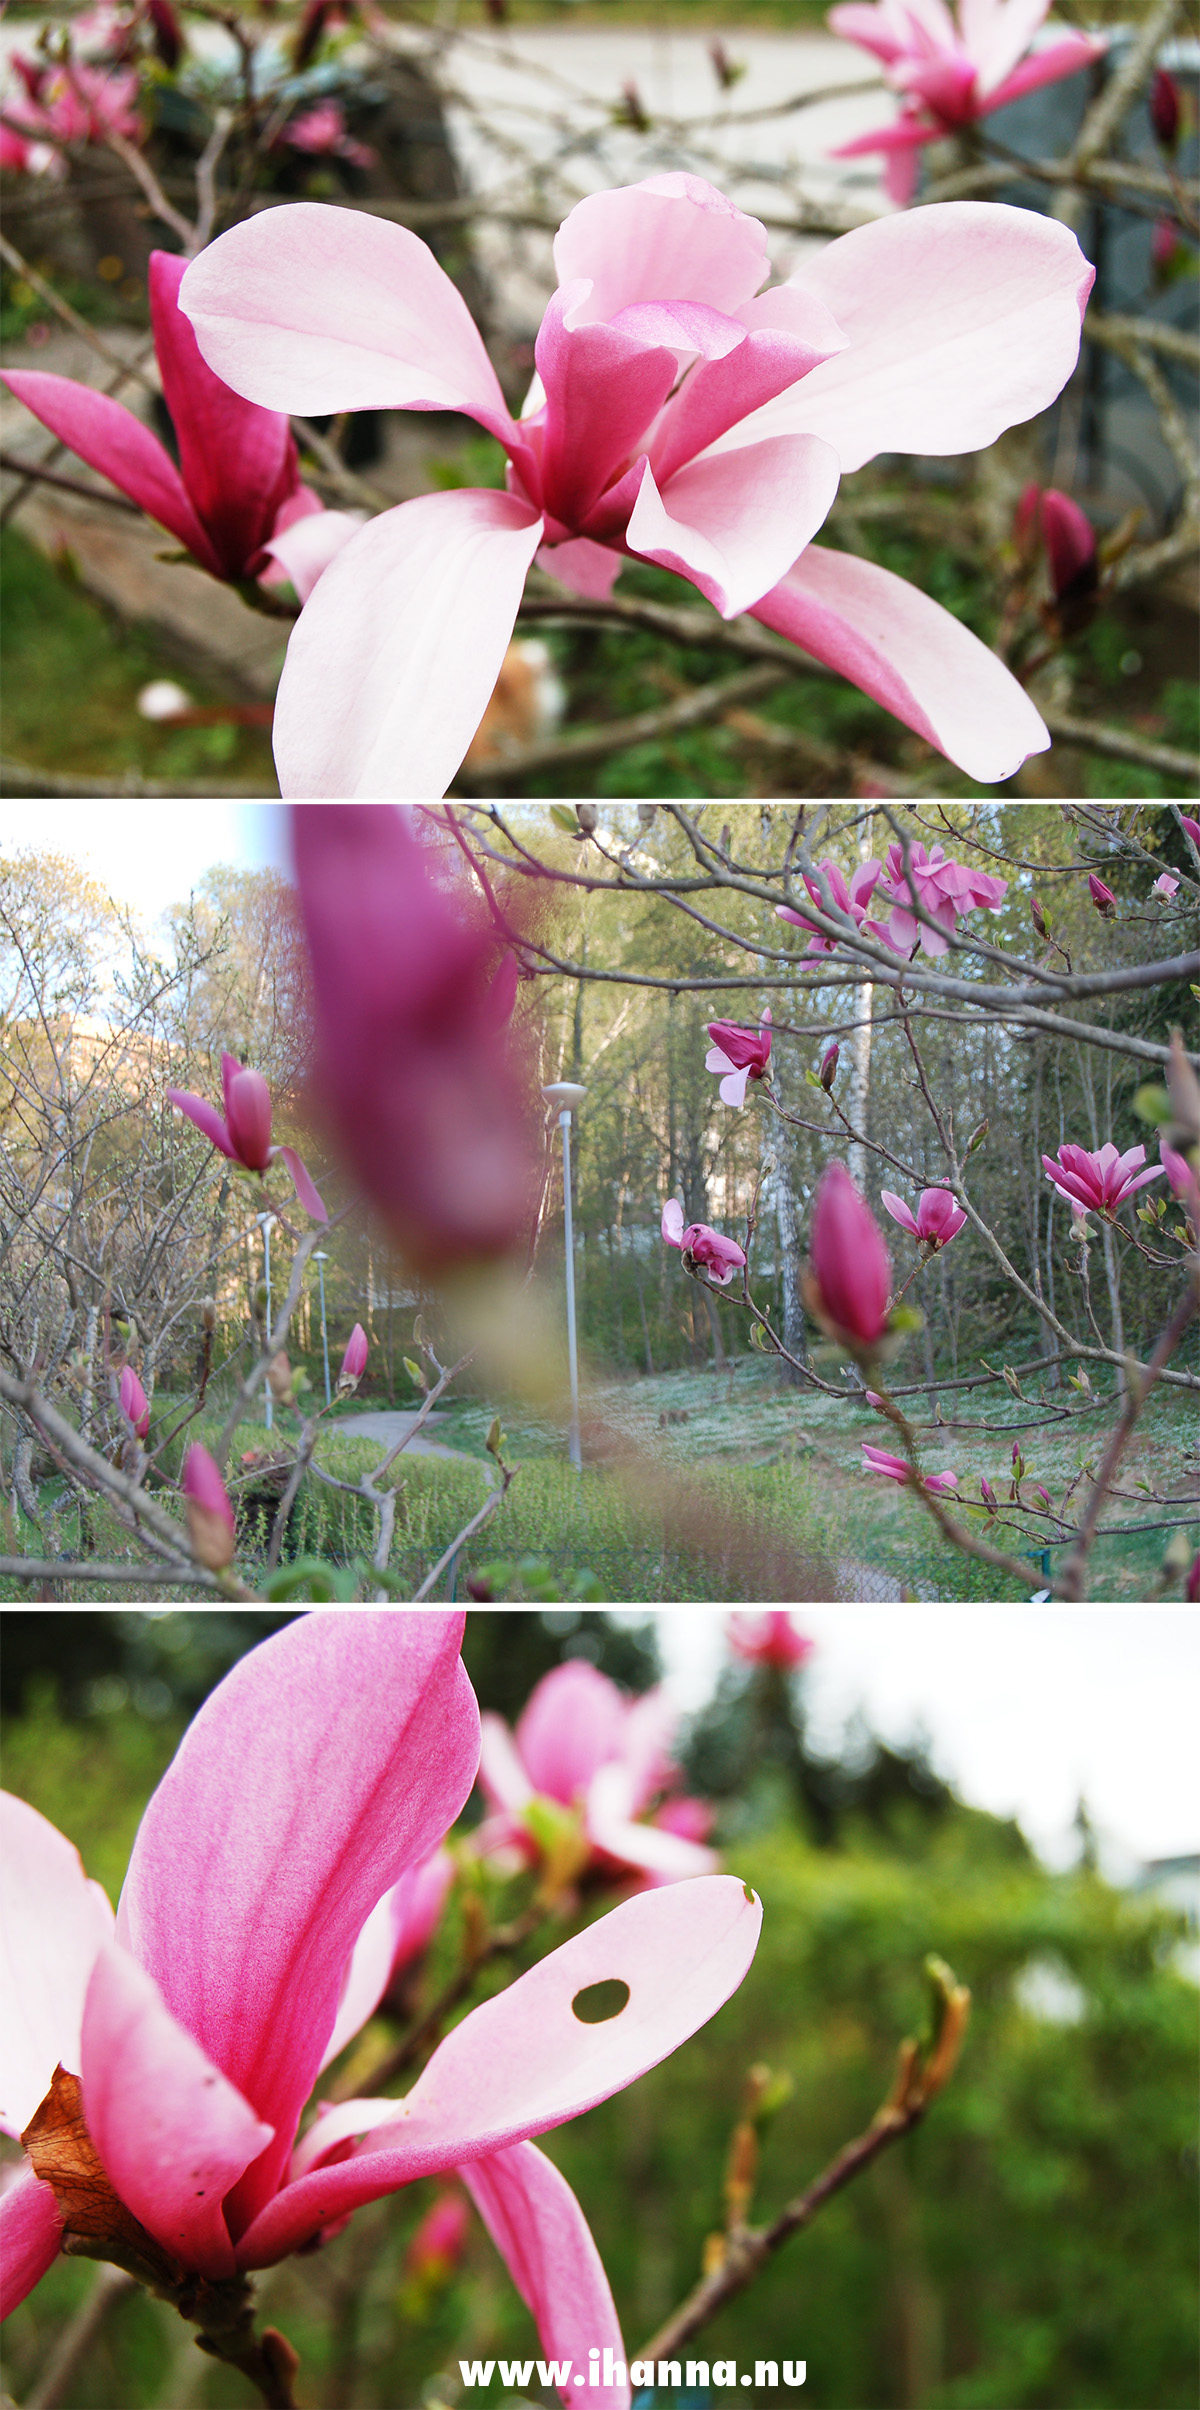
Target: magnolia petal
[672, 1222]
[206, 1118]
[173, 2134]
[109, 437]
[501, 1772]
[304, 548]
[911, 656]
[669, 238]
[664, 1856]
[997, 33]
[258, 1860]
[573, 1722]
[582, 567]
[899, 1211]
[733, 525]
[544, 2239]
[237, 462]
[787, 334]
[963, 320]
[732, 1091]
[366, 1977]
[602, 389]
[524, 2061]
[30, 2233]
[52, 1923]
[302, 1183]
[312, 308]
[393, 661]
[1048, 66]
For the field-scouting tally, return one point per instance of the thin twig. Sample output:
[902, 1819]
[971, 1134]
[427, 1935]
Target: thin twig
[1070, 1583]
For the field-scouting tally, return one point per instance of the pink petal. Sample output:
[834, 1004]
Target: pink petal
[732, 1091]
[670, 238]
[302, 1183]
[238, 462]
[368, 1973]
[304, 548]
[308, 308]
[501, 1774]
[963, 320]
[394, 659]
[52, 1923]
[574, 1721]
[997, 33]
[206, 1118]
[1141, 1180]
[30, 2233]
[582, 567]
[173, 2134]
[665, 1857]
[602, 389]
[541, 2233]
[912, 656]
[717, 1060]
[1067, 57]
[109, 437]
[788, 333]
[672, 1222]
[524, 2062]
[899, 1211]
[650, 1724]
[862, 22]
[734, 524]
[333, 1756]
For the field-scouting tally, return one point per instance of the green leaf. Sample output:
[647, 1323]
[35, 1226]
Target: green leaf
[311, 1575]
[415, 1373]
[1153, 1104]
[564, 819]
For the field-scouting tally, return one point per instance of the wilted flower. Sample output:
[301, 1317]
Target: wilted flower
[209, 1513]
[938, 1218]
[894, 1468]
[851, 1274]
[720, 1256]
[244, 1136]
[741, 1054]
[133, 1402]
[1098, 1182]
[770, 1638]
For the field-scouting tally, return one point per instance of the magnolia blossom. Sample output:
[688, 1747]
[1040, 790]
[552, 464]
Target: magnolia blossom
[330, 1759]
[951, 74]
[416, 1069]
[943, 889]
[742, 1054]
[720, 1256]
[70, 103]
[1165, 884]
[852, 899]
[322, 131]
[938, 1218]
[209, 1513]
[1102, 897]
[770, 1638]
[894, 1468]
[133, 1402]
[582, 1744]
[235, 503]
[850, 1277]
[245, 1133]
[354, 1361]
[679, 415]
[1098, 1182]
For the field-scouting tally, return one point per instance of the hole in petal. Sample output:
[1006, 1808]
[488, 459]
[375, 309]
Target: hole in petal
[752, 1896]
[598, 2002]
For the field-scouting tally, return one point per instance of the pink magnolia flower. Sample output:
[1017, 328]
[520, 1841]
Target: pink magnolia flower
[1192, 827]
[244, 1135]
[133, 1402]
[74, 104]
[770, 1638]
[852, 899]
[851, 1274]
[200, 2026]
[951, 74]
[415, 1067]
[944, 889]
[354, 1361]
[1165, 884]
[322, 130]
[720, 1256]
[235, 503]
[894, 1468]
[581, 1743]
[1101, 1182]
[1102, 897]
[209, 1513]
[938, 1218]
[679, 416]
[440, 2240]
[742, 1054]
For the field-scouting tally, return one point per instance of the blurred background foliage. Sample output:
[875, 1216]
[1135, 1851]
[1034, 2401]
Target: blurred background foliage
[1029, 2248]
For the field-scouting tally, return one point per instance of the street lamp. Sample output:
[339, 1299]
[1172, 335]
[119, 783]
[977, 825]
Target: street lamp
[568, 1094]
[266, 1223]
[320, 1258]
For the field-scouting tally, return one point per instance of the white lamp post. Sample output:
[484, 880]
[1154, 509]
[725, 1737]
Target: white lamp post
[266, 1223]
[320, 1258]
[569, 1095]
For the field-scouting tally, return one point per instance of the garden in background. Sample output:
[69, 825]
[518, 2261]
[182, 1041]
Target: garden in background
[1001, 593]
[1025, 2245]
[881, 1131]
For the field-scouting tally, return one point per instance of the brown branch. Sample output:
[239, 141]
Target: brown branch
[495, 1498]
[26, 780]
[1071, 1578]
[32, 469]
[146, 1577]
[1118, 745]
[25, 269]
[642, 728]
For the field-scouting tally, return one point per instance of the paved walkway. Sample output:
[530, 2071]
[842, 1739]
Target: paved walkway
[387, 1425]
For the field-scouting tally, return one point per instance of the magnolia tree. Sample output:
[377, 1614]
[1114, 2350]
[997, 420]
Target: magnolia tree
[157, 2067]
[697, 399]
[435, 969]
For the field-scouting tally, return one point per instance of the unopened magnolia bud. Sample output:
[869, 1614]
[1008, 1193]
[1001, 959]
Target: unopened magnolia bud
[209, 1513]
[1102, 897]
[976, 1139]
[1038, 917]
[588, 816]
[829, 1064]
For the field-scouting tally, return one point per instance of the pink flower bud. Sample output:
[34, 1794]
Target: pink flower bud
[770, 1638]
[851, 1269]
[1102, 897]
[1164, 109]
[1191, 1588]
[209, 1513]
[248, 1118]
[988, 1495]
[1192, 827]
[438, 2244]
[829, 1064]
[1165, 245]
[1070, 542]
[354, 1362]
[1038, 917]
[133, 1402]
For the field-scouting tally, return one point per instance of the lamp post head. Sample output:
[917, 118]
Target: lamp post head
[266, 1222]
[565, 1092]
[319, 1255]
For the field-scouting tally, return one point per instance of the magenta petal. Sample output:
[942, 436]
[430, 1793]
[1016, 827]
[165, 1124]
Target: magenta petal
[52, 1923]
[394, 658]
[541, 2233]
[734, 523]
[174, 2135]
[899, 1211]
[1066, 57]
[311, 308]
[787, 334]
[333, 1756]
[912, 656]
[238, 462]
[524, 2062]
[602, 389]
[109, 437]
[309, 1196]
[206, 1118]
[30, 2233]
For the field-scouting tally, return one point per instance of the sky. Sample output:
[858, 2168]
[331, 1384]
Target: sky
[150, 855]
